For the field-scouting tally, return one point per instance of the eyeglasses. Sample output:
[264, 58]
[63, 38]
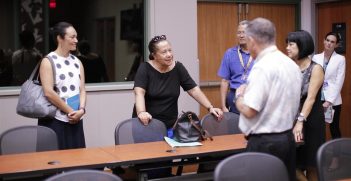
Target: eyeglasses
[159, 38]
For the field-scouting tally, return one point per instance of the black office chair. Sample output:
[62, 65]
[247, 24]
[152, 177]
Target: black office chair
[334, 160]
[86, 175]
[133, 131]
[251, 166]
[25, 139]
[228, 125]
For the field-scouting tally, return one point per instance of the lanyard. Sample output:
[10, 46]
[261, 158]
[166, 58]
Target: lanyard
[326, 61]
[244, 76]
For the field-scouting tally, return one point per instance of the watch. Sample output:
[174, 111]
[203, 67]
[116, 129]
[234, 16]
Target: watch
[301, 118]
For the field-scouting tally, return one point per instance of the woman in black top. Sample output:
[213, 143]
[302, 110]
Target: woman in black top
[157, 83]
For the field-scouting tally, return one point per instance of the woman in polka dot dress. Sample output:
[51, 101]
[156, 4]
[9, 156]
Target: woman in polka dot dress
[68, 94]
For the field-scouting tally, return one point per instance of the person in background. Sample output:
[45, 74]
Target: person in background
[136, 48]
[69, 94]
[310, 125]
[234, 70]
[334, 68]
[25, 59]
[94, 66]
[5, 68]
[268, 103]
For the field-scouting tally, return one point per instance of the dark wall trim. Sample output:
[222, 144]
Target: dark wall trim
[255, 1]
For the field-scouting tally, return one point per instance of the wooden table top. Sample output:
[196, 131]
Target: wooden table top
[60, 160]
[54, 161]
[159, 151]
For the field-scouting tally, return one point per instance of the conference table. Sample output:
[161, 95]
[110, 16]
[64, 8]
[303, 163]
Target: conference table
[148, 155]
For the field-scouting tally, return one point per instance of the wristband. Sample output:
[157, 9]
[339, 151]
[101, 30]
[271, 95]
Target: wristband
[82, 108]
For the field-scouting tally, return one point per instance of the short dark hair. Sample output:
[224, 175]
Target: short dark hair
[59, 30]
[27, 39]
[334, 34]
[304, 42]
[84, 47]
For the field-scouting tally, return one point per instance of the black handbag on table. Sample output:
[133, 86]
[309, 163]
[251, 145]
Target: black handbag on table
[188, 128]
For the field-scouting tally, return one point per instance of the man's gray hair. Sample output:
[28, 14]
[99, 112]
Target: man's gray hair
[262, 30]
[244, 22]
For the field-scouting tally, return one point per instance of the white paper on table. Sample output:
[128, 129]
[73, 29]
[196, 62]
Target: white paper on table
[174, 143]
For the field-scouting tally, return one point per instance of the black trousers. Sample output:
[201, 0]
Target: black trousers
[281, 145]
[334, 126]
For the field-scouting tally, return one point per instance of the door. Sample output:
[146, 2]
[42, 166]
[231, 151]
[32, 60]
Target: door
[217, 25]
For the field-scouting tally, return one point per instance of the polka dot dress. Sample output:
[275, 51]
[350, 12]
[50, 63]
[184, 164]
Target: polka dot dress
[67, 79]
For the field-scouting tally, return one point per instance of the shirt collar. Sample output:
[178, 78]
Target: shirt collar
[271, 48]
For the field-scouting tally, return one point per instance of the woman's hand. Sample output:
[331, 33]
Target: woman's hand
[144, 117]
[298, 131]
[75, 116]
[217, 112]
[326, 104]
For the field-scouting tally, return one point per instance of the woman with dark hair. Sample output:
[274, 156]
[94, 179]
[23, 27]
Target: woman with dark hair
[310, 126]
[157, 83]
[157, 88]
[334, 67]
[67, 93]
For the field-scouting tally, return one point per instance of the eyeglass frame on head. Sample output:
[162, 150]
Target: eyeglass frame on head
[159, 38]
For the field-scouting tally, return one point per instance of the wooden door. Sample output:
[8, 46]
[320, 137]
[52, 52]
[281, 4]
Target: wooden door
[327, 14]
[282, 15]
[217, 25]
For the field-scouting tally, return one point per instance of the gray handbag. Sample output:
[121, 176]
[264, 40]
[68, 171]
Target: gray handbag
[32, 102]
[188, 128]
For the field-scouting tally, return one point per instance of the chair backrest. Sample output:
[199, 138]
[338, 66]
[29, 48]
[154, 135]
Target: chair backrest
[84, 175]
[25, 139]
[133, 131]
[228, 125]
[334, 159]
[251, 166]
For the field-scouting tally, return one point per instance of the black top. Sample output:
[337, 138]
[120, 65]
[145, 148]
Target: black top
[162, 90]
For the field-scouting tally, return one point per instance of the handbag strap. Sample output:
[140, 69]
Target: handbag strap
[36, 71]
[204, 134]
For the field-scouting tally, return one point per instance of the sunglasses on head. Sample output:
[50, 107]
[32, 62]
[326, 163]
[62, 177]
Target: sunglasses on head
[159, 38]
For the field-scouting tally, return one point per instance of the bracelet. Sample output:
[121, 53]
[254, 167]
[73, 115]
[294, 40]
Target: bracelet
[82, 108]
[209, 108]
[301, 117]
